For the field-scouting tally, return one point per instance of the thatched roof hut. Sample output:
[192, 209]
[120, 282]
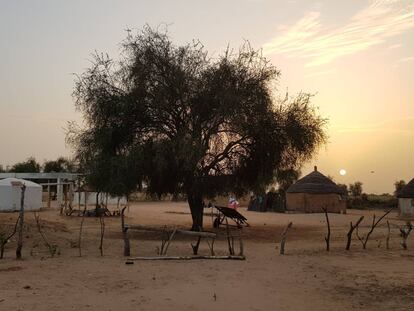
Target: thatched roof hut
[313, 193]
[315, 183]
[406, 200]
[407, 191]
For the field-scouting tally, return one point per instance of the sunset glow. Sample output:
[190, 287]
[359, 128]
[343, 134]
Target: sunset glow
[356, 57]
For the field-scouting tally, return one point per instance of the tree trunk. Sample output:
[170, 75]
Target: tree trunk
[195, 201]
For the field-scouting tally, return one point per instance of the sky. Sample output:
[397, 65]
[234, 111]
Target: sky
[356, 57]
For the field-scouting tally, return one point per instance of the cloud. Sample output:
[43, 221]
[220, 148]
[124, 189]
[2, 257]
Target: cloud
[394, 46]
[406, 59]
[373, 25]
[320, 73]
[397, 127]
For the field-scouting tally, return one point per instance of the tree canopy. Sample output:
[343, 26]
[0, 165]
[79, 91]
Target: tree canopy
[399, 185]
[356, 189]
[174, 119]
[28, 166]
[61, 164]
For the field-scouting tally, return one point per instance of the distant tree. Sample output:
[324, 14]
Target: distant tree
[355, 189]
[61, 164]
[344, 188]
[185, 123]
[287, 177]
[2, 170]
[28, 166]
[399, 185]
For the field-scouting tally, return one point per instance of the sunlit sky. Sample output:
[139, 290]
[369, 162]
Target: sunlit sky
[355, 56]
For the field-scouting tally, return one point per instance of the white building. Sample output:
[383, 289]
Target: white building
[406, 200]
[10, 195]
[103, 198]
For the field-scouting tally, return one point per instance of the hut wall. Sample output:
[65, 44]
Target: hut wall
[314, 203]
[406, 206]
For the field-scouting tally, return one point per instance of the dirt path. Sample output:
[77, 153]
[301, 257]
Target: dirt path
[306, 278]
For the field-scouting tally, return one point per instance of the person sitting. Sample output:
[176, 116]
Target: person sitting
[233, 203]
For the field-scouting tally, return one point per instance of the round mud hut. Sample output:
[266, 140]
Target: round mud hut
[406, 200]
[313, 193]
[10, 195]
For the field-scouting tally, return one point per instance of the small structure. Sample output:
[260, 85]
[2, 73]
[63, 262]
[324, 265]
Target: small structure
[314, 193]
[406, 200]
[10, 195]
[57, 180]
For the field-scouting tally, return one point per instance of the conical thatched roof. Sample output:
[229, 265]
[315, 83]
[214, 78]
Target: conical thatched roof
[315, 183]
[407, 191]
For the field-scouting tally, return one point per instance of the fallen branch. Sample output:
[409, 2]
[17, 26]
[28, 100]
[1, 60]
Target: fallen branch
[231, 257]
[351, 230]
[283, 240]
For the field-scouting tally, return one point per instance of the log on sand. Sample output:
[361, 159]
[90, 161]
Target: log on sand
[231, 257]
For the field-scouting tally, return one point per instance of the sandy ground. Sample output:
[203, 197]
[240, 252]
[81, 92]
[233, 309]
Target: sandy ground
[306, 278]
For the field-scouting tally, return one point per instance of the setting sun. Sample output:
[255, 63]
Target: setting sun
[342, 172]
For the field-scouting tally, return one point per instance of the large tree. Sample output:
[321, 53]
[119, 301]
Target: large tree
[178, 121]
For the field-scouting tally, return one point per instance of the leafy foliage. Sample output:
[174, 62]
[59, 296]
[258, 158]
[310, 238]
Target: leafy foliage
[344, 189]
[399, 185]
[356, 189]
[28, 166]
[59, 165]
[179, 122]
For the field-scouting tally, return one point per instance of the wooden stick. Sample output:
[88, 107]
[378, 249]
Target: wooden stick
[374, 224]
[102, 223]
[196, 246]
[171, 236]
[203, 234]
[211, 246]
[164, 237]
[127, 248]
[81, 227]
[232, 257]
[51, 247]
[7, 238]
[231, 250]
[351, 230]
[241, 253]
[21, 223]
[328, 237]
[387, 241]
[283, 240]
